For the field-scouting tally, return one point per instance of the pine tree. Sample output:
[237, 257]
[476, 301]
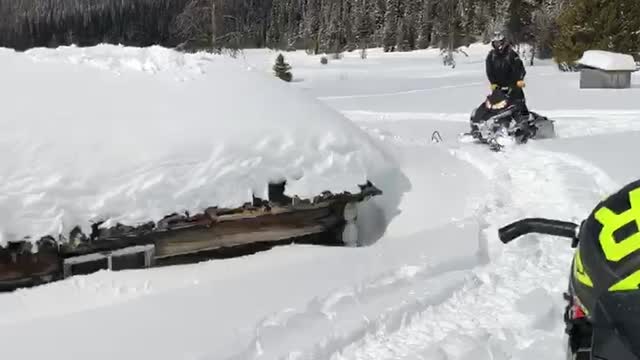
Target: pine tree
[329, 25]
[334, 40]
[274, 32]
[425, 25]
[519, 21]
[402, 33]
[390, 32]
[294, 24]
[471, 28]
[379, 16]
[598, 25]
[545, 27]
[448, 24]
[282, 69]
[311, 25]
[492, 15]
[364, 24]
[348, 20]
[408, 25]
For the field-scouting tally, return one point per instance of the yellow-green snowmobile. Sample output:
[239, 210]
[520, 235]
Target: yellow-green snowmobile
[603, 300]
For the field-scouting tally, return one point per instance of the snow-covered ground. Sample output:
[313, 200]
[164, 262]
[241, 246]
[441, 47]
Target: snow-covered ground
[438, 285]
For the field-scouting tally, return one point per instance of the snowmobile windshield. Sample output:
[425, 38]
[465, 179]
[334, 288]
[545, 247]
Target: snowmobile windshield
[497, 100]
[616, 333]
[498, 96]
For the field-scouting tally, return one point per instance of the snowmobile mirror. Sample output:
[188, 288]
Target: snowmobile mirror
[523, 227]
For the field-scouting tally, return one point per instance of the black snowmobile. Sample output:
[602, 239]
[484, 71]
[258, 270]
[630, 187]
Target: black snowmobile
[500, 118]
[602, 316]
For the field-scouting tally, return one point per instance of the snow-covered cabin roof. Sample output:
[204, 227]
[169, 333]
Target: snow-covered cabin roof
[608, 61]
[131, 135]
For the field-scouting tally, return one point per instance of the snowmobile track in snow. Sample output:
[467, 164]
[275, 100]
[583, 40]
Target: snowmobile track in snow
[399, 93]
[521, 286]
[352, 314]
[569, 123]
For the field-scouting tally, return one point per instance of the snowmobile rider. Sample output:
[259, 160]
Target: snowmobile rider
[505, 69]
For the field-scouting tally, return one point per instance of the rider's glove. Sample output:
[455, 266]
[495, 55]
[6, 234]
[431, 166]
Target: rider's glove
[520, 84]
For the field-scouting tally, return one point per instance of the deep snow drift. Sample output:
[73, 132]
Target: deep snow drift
[437, 286]
[119, 59]
[131, 135]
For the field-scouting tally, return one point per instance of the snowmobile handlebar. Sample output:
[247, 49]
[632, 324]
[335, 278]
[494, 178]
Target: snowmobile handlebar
[540, 226]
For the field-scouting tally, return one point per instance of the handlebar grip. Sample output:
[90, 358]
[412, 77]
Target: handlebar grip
[537, 225]
[511, 232]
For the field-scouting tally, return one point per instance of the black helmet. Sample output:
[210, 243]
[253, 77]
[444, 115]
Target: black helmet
[499, 42]
[606, 274]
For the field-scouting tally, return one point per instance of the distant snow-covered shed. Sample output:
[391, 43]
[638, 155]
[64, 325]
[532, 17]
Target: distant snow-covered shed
[606, 70]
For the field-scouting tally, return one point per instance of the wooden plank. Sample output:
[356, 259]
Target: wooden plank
[249, 230]
[197, 241]
[28, 265]
[271, 212]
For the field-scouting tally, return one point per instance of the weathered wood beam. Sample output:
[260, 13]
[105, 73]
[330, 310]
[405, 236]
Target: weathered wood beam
[181, 239]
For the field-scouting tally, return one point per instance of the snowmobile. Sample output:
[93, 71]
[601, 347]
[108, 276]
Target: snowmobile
[499, 120]
[602, 315]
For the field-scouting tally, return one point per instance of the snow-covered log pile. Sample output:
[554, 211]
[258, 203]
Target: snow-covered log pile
[328, 219]
[109, 139]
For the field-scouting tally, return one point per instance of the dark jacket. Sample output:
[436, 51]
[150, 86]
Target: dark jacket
[506, 69]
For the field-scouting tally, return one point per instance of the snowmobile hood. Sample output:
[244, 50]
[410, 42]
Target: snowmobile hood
[616, 326]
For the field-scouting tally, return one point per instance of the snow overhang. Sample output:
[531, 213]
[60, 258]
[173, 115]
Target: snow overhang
[608, 61]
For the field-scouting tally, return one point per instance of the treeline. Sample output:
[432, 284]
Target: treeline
[33, 23]
[554, 27]
[401, 25]
[318, 25]
[26, 24]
